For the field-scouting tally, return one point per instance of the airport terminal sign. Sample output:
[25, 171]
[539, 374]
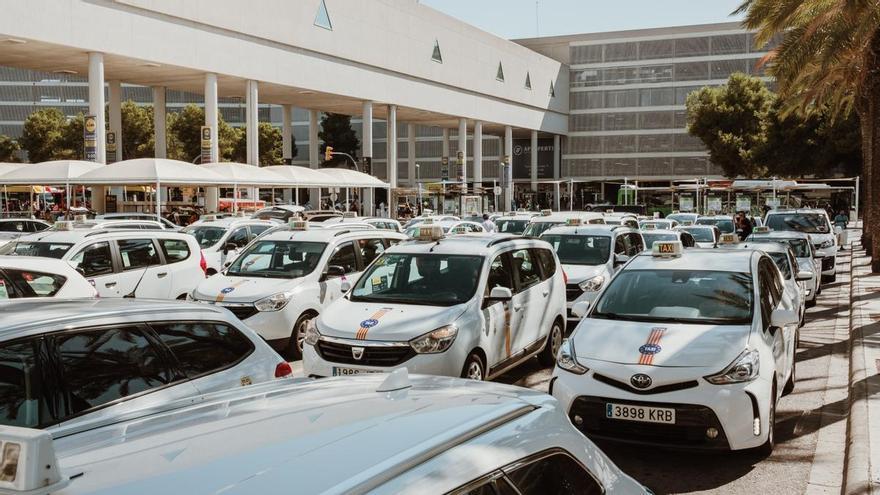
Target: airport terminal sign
[522, 156]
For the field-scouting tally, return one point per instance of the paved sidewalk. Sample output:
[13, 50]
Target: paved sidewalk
[862, 476]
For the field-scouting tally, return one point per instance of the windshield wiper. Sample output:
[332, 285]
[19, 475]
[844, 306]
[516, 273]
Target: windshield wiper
[614, 316]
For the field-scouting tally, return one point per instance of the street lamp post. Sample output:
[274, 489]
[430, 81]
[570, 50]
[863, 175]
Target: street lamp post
[419, 185]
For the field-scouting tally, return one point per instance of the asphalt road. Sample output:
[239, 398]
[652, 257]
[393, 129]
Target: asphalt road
[817, 404]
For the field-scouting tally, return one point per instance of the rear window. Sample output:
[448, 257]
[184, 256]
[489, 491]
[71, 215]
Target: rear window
[175, 250]
[42, 249]
[23, 400]
[202, 347]
[25, 283]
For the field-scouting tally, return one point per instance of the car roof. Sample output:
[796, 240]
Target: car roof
[468, 244]
[13, 219]
[589, 229]
[519, 216]
[787, 211]
[230, 221]
[661, 231]
[714, 217]
[33, 316]
[780, 234]
[34, 263]
[285, 433]
[767, 247]
[75, 236]
[328, 235]
[719, 259]
[697, 226]
[562, 216]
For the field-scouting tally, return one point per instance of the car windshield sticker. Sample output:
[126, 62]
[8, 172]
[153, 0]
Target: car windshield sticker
[4, 294]
[370, 322]
[227, 290]
[652, 346]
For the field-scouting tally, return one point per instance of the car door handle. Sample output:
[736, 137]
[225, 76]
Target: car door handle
[546, 293]
[110, 285]
[517, 307]
[162, 275]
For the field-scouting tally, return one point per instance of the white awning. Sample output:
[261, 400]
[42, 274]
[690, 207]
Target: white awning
[5, 168]
[248, 175]
[343, 177]
[58, 172]
[152, 171]
[303, 176]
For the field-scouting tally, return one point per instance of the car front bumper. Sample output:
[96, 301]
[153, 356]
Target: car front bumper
[331, 357]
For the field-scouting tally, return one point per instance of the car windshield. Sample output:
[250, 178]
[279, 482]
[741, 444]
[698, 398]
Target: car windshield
[580, 249]
[535, 229]
[800, 247]
[810, 223]
[278, 259]
[515, 227]
[701, 235]
[55, 250]
[725, 225]
[678, 296]
[681, 217]
[422, 279]
[651, 238]
[206, 236]
[781, 260]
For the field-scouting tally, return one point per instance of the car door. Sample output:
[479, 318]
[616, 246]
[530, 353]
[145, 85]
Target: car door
[770, 293]
[497, 315]
[95, 263]
[343, 256]
[142, 273]
[554, 471]
[620, 249]
[175, 254]
[528, 301]
[238, 238]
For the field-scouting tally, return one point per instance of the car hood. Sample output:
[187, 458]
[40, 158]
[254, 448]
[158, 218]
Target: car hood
[578, 273]
[221, 288]
[659, 344]
[806, 264]
[392, 322]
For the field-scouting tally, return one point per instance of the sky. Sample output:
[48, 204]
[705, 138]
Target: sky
[513, 19]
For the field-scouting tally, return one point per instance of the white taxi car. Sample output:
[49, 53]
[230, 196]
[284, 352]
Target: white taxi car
[473, 306]
[658, 223]
[793, 279]
[25, 277]
[13, 228]
[590, 256]
[685, 348]
[683, 218]
[805, 255]
[654, 235]
[816, 223]
[222, 238]
[512, 223]
[548, 219]
[284, 279]
[372, 434]
[138, 263]
[705, 236]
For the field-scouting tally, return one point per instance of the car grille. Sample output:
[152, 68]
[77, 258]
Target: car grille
[241, 312]
[572, 292]
[373, 355]
[689, 430]
[672, 387]
[827, 263]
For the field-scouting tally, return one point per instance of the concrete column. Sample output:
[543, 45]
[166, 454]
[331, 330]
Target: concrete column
[392, 149]
[508, 154]
[314, 157]
[212, 194]
[160, 139]
[411, 153]
[368, 201]
[462, 148]
[446, 142]
[115, 116]
[253, 123]
[557, 154]
[286, 133]
[534, 162]
[478, 153]
[96, 108]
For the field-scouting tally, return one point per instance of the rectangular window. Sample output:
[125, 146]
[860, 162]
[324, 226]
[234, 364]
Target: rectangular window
[622, 98]
[692, 47]
[138, 253]
[619, 76]
[695, 165]
[344, 256]
[203, 347]
[692, 71]
[33, 284]
[586, 78]
[656, 143]
[176, 250]
[585, 122]
[686, 142]
[556, 473]
[655, 74]
[581, 145]
[525, 266]
[722, 69]
[586, 100]
[23, 393]
[655, 166]
[94, 260]
[652, 97]
[618, 52]
[656, 120]
[729, 44]
[681, 94]
[656, 49]
[586, 54]
[620, 121]
[370, 249]
[620, 144]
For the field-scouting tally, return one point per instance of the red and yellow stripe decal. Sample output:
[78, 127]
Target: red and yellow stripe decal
[653, 340]
[362, 331]
[221, 295]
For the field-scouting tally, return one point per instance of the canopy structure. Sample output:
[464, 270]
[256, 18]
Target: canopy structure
[151, 171]
[302, 176]
[343, 177]
[249, 175]
[57, 173]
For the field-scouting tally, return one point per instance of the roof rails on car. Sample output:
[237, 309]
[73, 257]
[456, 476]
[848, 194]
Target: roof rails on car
[499, 240]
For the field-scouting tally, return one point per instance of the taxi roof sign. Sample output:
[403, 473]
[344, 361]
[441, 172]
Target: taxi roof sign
[667, 249]
[649, 226]
[64, 225]
[728, 239]
[761, 230]
[29, 462]
[428, 221]
[209, 218]
[546, 213]
[573, 222]
[429, 233]
[81, 218]
[350, 214]
[298, 225]
[239, 214]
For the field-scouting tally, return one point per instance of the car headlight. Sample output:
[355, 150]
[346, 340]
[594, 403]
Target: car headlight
[435, 341]
[744, 368]
[592, 284]
[826, 244]
[567, 359]
[275, 302]
[312, 334]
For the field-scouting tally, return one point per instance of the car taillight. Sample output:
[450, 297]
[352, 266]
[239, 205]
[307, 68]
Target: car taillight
[203, 263]
[283, 369]
[565, 277]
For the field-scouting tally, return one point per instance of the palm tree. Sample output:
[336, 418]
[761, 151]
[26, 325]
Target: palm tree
[829, 57]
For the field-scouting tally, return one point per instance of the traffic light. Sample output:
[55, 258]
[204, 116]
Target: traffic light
[328, 153]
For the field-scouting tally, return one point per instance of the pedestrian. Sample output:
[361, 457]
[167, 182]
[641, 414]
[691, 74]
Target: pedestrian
[743, 226]
[488, 225]
[840, 222]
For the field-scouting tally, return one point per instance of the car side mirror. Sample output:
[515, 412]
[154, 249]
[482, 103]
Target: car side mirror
[580, 308]
[620, 259]
[345, 286]
[805, 276]
[499, 294]
[780, 318]
[334, 271]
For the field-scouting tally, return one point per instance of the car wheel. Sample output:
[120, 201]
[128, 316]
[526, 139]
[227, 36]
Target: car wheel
[298, 336]
[812, 302]
[789, 385]
[767, 449]
[547, 357]
[473, 368]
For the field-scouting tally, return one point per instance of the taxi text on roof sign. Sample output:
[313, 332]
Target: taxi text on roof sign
[728, 239]
[430, 233]
[761, 230]
[573, 222]
[667, 248]
[298, 225]
[546, 213]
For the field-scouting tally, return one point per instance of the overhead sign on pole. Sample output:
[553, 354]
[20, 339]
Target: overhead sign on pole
[743, 203]
[90, 145]
[206, 144]
[444, 168]
[686, 203]
[111, 147]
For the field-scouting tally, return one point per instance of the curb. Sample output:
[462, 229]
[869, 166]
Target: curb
[857, 471]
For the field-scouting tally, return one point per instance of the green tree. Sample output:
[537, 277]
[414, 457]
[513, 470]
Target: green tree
[336, 131]
[138, 140]
[271, 148]
[41, 134]
[8, 149]
[71, 146]
[730, 121]
[186, 129]
[829, 58]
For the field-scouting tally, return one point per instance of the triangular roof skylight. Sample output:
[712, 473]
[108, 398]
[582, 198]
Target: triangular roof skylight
[528, 81]
[552, 90]
[322, 18]
[500, 73]
[437, 56]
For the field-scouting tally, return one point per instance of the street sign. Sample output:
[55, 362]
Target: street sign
[207, 156]
[90, 132]
[444, 168]
[686, 203]
[111, 147]
[496, 190]
[743, 203]
[367, 165]
[714, 204]
[460, 158]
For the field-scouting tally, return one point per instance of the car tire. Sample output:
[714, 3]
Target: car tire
[473, 368]
[547, 356]
[811, 303]
[789, 385]
[767, 448]
[298, 335]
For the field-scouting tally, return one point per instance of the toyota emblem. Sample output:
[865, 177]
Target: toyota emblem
[357, 353]
[641, 381]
